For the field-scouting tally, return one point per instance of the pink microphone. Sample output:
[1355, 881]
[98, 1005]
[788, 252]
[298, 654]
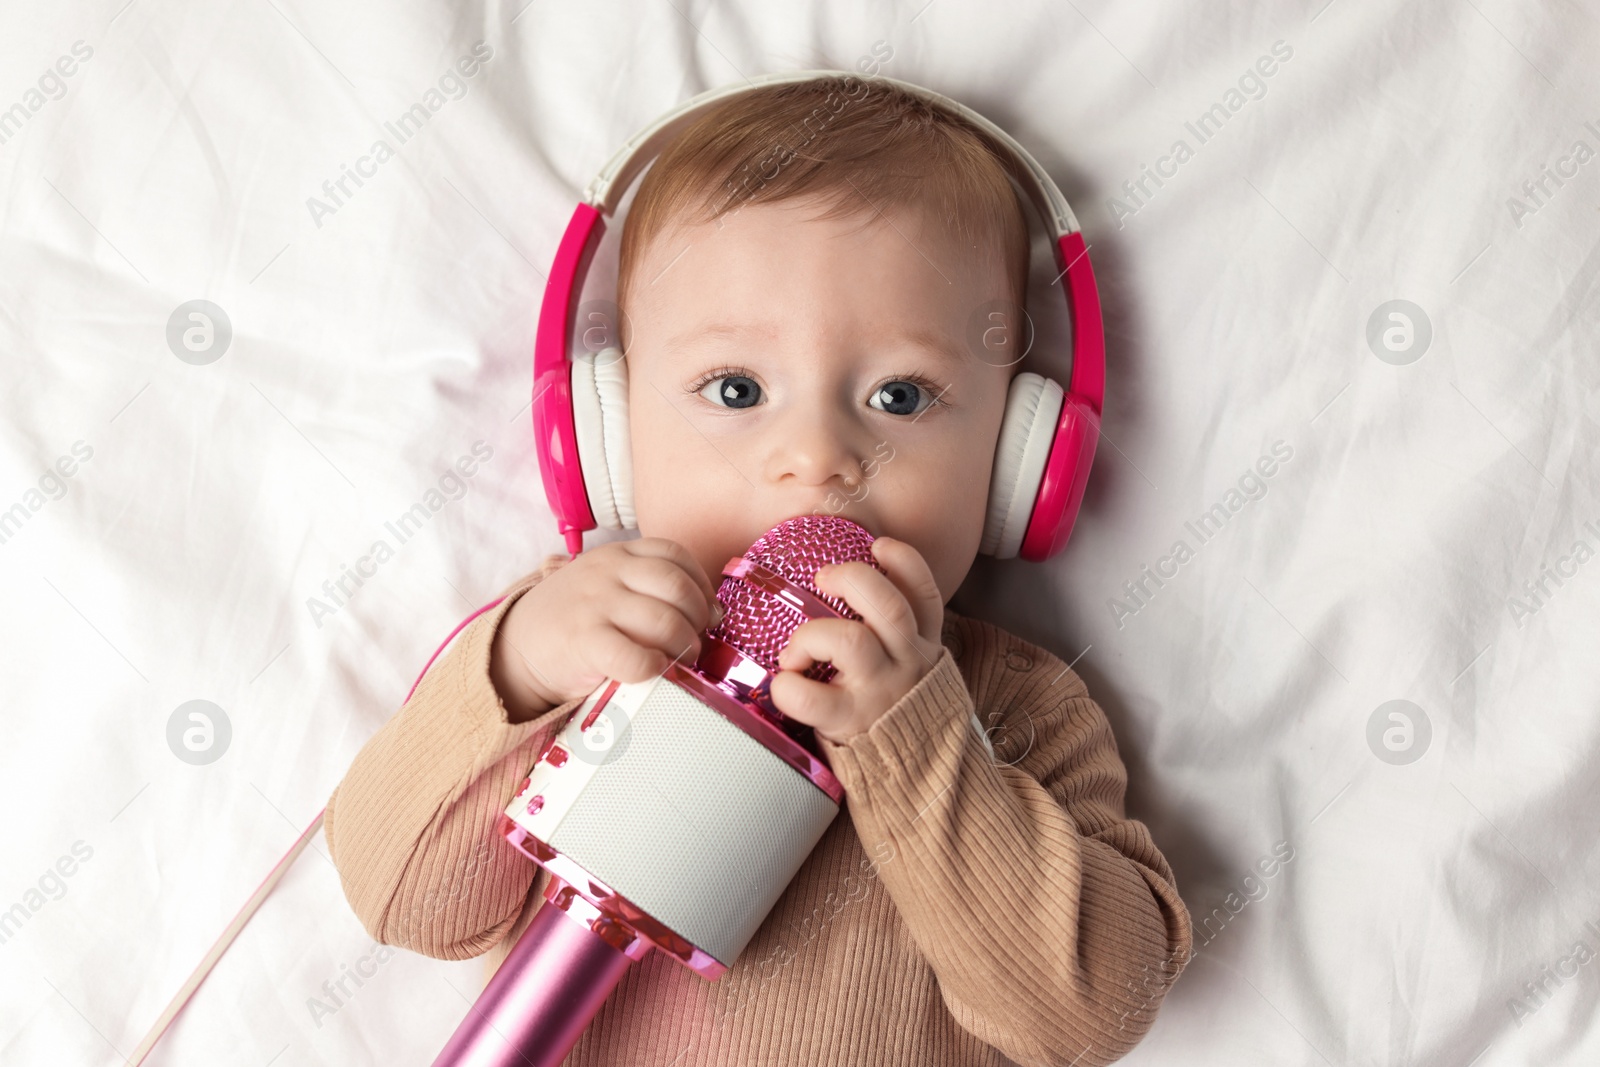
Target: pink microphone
[671, 814]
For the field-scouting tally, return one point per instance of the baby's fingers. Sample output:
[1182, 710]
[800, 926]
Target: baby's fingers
[657, 626]
[852, 648]
[619, 656]
[664, 569]
[825, 708]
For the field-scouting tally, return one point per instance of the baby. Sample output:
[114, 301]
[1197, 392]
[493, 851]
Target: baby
[797, 342]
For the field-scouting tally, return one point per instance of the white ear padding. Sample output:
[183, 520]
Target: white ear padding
[1033, 407]
[600, 419]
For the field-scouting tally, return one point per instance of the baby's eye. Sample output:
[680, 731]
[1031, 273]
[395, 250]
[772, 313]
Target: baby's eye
[903, 396]
[731, 391]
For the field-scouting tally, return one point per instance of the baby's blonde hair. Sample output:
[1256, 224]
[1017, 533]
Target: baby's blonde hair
[857, 143]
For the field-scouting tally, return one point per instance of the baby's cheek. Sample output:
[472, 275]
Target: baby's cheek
[946, 528]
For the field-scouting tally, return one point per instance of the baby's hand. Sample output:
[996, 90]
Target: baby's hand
[878, 660]
[624, 610]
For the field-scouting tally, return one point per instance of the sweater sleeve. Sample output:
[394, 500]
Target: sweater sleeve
[1052, 922]
[411, 826]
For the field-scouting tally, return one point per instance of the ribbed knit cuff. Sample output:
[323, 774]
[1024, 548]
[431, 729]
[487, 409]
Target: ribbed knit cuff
[903, 744]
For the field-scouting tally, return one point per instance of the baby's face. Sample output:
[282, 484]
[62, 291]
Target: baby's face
[780, 366]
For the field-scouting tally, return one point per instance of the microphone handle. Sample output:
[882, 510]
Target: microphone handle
[544, 995]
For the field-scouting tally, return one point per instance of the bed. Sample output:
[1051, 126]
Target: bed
[1334, 582]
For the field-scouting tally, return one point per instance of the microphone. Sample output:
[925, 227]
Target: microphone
[762, 612]
[671, 813]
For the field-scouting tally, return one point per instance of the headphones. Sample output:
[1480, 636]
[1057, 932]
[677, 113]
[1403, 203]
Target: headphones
[580, 399]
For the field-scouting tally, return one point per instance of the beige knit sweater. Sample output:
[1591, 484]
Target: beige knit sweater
[964, 907]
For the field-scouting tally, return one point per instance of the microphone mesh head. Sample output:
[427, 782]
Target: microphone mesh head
[757, 622]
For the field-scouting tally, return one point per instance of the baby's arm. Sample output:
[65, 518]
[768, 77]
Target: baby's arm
[1052, 922]
[411, 827]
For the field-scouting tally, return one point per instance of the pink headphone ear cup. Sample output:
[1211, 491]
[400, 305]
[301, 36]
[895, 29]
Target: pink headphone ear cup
[1060, 492]
[1033, 409]
[600, 421]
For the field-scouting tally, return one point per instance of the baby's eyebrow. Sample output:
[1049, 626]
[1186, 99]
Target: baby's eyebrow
[935, 342]
[718, 331]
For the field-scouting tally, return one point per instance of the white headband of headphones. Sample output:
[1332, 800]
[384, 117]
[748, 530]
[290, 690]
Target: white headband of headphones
[605, 192]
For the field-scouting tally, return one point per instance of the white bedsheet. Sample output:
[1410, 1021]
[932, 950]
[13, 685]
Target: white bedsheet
[376, 339]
